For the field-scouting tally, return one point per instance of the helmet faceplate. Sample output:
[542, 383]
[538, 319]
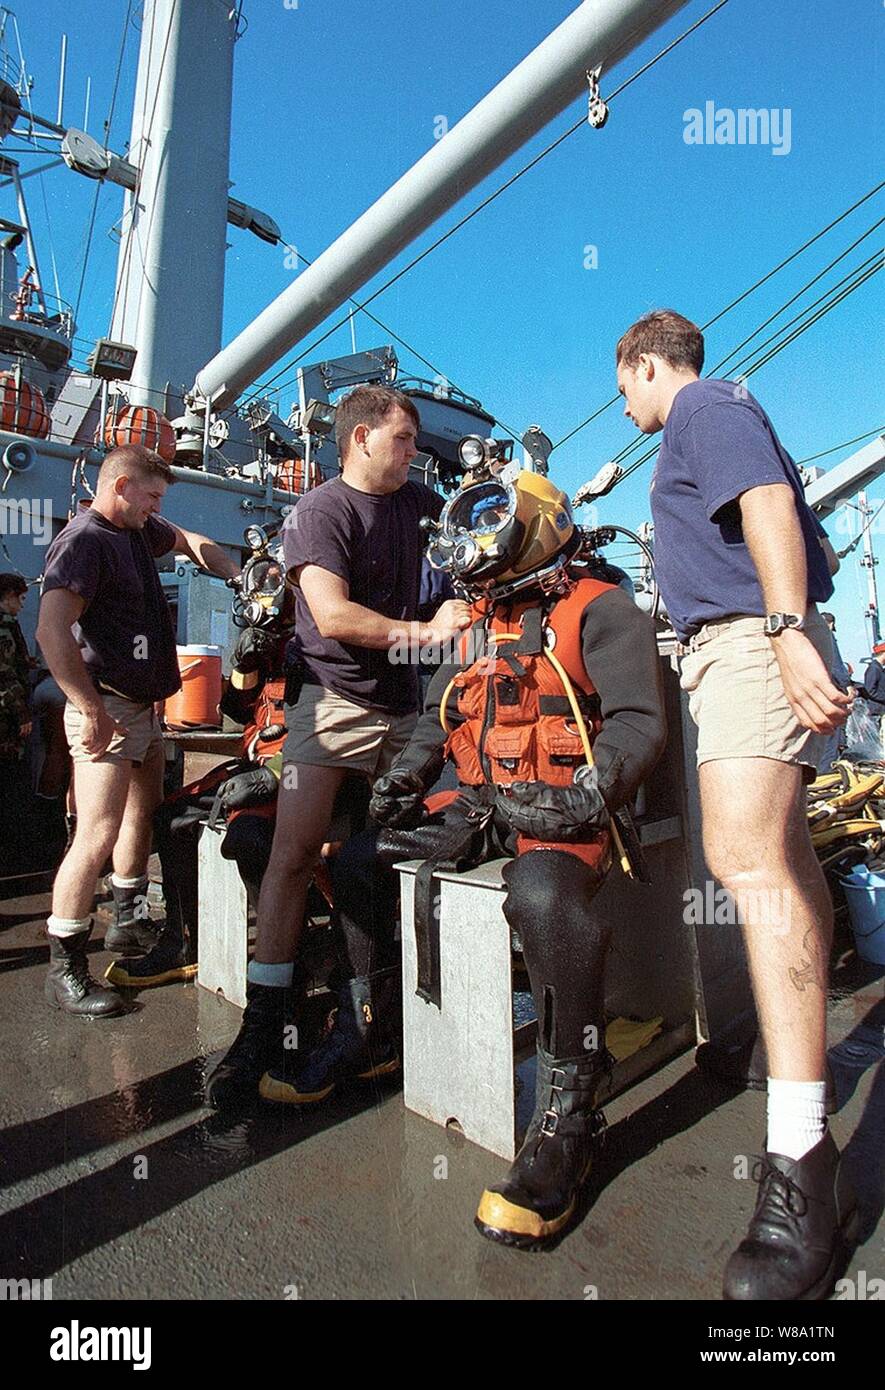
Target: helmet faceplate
[492, 532]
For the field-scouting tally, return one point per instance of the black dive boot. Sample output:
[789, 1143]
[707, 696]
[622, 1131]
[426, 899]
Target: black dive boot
[537, 1198]
[171, 959]
[69, 985]
[131, 932]
[354, 1048]
[806, 1218]
[258, 1045]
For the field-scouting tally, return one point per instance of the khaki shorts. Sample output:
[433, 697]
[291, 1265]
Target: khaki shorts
[140, 722]
[326, 730]
[736, 695]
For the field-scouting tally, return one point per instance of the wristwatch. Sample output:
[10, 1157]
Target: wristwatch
[776, 623]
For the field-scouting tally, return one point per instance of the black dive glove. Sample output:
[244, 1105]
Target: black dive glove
[249, 788]
[254, 649]
[550, 813]
[398, 800]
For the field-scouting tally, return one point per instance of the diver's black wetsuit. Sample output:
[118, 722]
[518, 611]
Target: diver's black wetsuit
[550, 890]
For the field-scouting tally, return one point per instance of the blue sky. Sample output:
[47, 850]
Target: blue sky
[334, 99]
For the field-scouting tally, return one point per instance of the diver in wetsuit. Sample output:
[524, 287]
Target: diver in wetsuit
[551, 730]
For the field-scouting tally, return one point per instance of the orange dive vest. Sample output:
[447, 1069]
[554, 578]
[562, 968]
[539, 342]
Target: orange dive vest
[518, 723]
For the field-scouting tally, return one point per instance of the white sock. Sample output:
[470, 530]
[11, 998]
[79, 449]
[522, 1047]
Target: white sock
[277, 975]
[119, 882]
[796, 1116]
[66, 926]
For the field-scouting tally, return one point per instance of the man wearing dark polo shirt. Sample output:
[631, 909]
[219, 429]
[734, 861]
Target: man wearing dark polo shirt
[100, 575]
[354, 548]
[742, 562]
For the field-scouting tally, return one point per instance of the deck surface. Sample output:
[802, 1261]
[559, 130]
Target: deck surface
[119, 1183]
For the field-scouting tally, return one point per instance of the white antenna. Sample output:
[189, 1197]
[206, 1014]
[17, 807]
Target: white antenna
[869, 562]
[62, 68]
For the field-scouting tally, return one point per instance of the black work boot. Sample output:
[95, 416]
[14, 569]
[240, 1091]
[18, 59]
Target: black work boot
[131, 932]
[259, 1044]
[70, 987]
[171, 959]
[355, 1048]
[537, 1198]
[806, 1216]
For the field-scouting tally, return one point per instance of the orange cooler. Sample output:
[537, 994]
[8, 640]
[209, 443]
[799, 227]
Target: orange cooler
[195, 705]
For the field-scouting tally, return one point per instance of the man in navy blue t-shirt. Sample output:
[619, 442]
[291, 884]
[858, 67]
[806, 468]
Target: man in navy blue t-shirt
[353, 546]
[742, 563]
[100, 576]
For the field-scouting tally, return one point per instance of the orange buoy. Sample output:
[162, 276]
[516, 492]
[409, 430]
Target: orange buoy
[141, 424]
[22, 407]
[292, 477]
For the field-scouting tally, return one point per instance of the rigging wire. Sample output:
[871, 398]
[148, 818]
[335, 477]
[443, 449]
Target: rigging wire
[397, 338]
[643, 458]
[30, 137]
[869, 268]
[87, 248]
[52, 259]
[859, 275]
[741, 297]
[797, 295]
[798, 252]
[635, 444]
[844, 445]
[869, 263]
[509, 183]
[483, 204]
[107, 135]
[108, 123]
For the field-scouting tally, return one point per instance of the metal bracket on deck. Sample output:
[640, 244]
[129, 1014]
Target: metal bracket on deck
[597, 111]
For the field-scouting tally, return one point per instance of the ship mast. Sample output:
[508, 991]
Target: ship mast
[170, 275]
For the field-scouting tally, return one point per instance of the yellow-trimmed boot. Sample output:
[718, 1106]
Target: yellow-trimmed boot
[170, 960]
[354, 1049]
[537, 1199]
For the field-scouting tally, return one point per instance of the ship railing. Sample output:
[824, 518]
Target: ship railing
[59, 313]
[54, 313]
[12, 70]
[442, 390]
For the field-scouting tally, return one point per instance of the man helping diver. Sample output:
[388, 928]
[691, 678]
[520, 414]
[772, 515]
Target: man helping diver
[551, 730]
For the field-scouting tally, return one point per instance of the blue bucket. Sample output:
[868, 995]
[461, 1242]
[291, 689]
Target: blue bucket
[865, 896]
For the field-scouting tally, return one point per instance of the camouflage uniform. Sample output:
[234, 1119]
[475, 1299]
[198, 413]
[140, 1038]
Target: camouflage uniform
[15, 667]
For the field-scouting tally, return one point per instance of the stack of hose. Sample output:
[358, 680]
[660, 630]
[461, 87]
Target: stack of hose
[846, 816]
